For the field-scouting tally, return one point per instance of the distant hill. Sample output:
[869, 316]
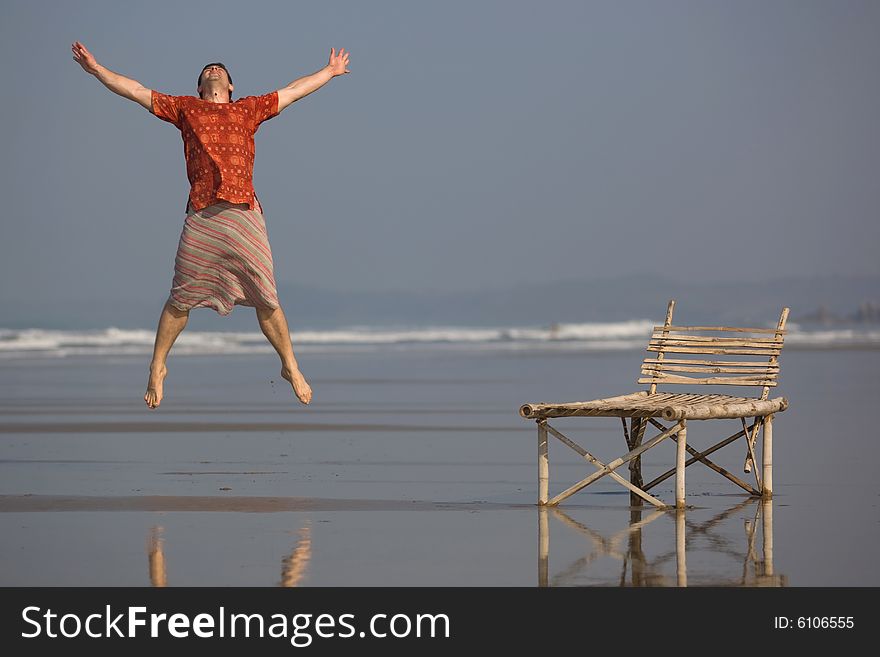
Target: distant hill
[868, 312]
[613, 299]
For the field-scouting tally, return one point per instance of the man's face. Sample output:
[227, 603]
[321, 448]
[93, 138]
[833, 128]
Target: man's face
[214, 72]
[215, 76]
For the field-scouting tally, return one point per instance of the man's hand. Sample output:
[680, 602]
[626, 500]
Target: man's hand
[84, 58]
[338, 63]
[301, 87]
[118, 84]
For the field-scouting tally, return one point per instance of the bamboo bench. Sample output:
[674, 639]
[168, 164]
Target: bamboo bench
[687, 344]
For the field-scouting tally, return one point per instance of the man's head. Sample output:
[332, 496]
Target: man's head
[216, 77]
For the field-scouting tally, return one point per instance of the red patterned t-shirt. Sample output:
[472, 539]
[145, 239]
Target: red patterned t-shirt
[218, 144]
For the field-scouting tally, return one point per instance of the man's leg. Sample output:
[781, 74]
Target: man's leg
[274, 326]
[171, 323]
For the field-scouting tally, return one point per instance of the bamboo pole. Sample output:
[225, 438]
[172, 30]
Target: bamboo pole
[670, 307]
[616, 463]
[743, 351]
[543, 463]
[543, 410]
[735, 409]
[701, 457]
[681, 547]
[681, 454]
[780, 330]
[656, 376]
[672, 337]
[767, 450]
[751, 462]
[635, 466]
[739, 329]
[697, 343]
[708, 369]
[601, 466]
[725, 363]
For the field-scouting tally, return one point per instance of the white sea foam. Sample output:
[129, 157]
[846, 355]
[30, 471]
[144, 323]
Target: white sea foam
[596, 336]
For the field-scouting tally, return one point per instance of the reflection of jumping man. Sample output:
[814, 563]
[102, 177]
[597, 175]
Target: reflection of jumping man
[223, 258]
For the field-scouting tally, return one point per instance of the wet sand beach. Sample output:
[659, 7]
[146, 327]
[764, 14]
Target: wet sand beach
[410, 468]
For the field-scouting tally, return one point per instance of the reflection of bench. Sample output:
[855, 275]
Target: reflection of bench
[679, 357]
[708, 538]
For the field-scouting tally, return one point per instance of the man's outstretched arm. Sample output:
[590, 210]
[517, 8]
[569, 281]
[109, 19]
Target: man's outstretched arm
[118, 84]
[338, 65]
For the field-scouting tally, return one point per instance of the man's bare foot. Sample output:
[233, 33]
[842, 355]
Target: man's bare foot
[301, 387]
[154, 386]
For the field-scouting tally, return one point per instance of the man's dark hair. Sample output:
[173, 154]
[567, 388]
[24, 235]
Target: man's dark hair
[206, 66]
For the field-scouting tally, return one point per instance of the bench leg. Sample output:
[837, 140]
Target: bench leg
[767, 449]
[681, 454]
[637, 432]
[543, 464]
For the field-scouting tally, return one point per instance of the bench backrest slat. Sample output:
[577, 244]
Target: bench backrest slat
[693, 349]
[732, 329]
[685, 341]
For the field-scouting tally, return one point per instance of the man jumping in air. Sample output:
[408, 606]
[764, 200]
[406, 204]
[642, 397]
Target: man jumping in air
[223, 258]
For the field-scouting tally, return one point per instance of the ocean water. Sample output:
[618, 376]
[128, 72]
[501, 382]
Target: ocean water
[597, 336]
[412, 466]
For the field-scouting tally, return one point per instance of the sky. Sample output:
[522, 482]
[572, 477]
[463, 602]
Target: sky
[474, 145]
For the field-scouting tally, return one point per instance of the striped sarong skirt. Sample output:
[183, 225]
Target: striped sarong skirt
[223, 260]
